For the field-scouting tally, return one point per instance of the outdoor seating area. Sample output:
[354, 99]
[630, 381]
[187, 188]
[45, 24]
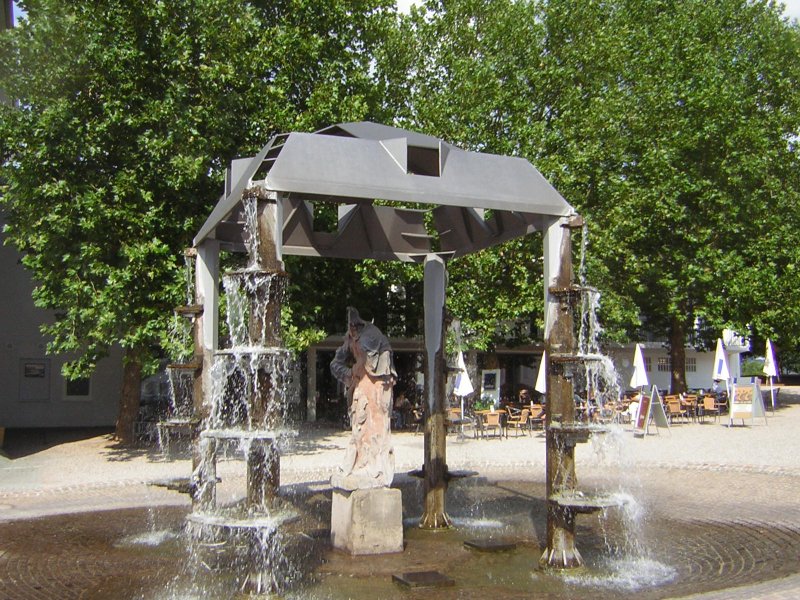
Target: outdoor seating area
[678, 408]
[521, 419]
[496, 423]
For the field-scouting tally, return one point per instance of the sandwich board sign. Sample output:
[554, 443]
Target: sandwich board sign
[657, 409]
[642, 417]
[650, 409]
[747, 402]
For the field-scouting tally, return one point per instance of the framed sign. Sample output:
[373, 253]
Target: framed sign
[742, 405]
[34, 380]
[642, 416]
[657, 410]
[34, 369]
[490, 381]
[747, 402]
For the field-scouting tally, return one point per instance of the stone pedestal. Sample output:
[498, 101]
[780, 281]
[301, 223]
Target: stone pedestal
[367, 521]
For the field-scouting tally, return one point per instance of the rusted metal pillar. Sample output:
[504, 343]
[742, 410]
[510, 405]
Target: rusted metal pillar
[263, 462]
[434, 515]
[561, 349]
[263, 474]
[204, 477]
[267, 332]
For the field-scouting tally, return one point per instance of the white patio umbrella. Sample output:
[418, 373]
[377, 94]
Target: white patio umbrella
[463, 386]
[541, 376]
[639, 377]
[721, 370]
[770, 370]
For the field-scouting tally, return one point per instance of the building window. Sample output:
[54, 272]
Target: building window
[77, 389]
[648, 364]
[691, 364]
[664, 364]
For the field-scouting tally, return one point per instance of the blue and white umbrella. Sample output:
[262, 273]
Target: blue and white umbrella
[463, 386]
[541, 376]
[770, 370]
[639, 377]
[721, 370]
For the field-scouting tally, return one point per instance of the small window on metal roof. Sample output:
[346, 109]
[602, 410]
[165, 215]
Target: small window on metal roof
[423, 161]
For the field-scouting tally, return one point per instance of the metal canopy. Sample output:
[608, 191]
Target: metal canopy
[372, 172]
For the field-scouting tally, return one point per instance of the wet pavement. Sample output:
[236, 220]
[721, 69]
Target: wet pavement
[82, 518]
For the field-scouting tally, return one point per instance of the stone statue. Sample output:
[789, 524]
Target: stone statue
[365, 366]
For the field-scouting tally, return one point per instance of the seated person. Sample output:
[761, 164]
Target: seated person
[525, 396]
[401, 410]
[633, 407]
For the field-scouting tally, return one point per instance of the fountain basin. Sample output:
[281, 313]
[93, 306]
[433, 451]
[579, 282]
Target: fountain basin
[581, 503]
[189, 310]
[248, 434]
[190, 366]
[241, 520]
[572, 433]
[254, 350]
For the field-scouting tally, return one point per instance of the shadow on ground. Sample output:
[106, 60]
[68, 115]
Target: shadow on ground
[23, 442]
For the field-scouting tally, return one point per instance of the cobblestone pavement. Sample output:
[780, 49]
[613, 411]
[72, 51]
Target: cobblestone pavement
[726, 496]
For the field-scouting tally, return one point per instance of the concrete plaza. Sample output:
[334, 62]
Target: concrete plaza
[745, 479]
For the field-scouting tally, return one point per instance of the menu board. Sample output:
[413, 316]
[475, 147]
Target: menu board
[742, 405]
[643, 416]
[746, 402]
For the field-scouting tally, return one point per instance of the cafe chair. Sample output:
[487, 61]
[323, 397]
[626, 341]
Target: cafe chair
[491, 421]
[674, 408]
[537, 416]
[710, 407]
[518, 423]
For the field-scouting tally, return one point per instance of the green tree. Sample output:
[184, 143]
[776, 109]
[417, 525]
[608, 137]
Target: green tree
[453, 70]
[670, 125]
[690, 182]
[129, 112]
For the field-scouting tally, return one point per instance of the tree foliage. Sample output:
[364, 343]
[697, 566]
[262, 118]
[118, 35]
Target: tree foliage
[671, 125]
[694, 179]
[129, 111]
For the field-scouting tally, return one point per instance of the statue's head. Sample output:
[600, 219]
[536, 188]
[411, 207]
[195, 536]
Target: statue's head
[355, 323]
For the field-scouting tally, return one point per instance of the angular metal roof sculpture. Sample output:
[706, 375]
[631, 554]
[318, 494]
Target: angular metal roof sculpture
[372, 172]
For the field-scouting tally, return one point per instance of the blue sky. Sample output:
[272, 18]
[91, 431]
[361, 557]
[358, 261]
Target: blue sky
[17, 11]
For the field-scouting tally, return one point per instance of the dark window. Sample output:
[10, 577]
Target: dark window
[423, 161]
[78, 387]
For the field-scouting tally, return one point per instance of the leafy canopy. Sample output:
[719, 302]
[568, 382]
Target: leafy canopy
[671, 125]
[129, 111]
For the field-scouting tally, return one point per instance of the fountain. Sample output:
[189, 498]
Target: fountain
[245, 416]
[563, 430]
[351, 165]
[183, 374]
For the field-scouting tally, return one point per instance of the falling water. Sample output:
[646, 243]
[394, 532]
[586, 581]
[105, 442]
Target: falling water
[181, 388]
[188, 270]
[628, 564]
[246, 330]
[253, 383]
[252, 239]
[601, 379]
[584, 332]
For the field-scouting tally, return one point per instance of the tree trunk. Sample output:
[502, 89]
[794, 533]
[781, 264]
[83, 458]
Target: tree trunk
[130, 397]
[677, 355]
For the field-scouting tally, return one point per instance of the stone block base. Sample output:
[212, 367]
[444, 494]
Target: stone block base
[367, 521]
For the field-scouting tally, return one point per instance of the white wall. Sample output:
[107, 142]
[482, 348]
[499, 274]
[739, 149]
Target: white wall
[701, 378]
